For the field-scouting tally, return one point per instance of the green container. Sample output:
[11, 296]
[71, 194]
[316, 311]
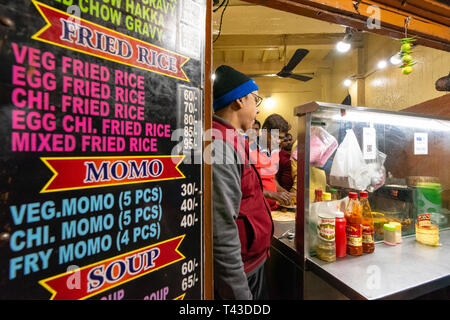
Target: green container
[428, 199]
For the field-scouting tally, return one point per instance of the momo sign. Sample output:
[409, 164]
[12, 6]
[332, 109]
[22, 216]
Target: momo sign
[95, 172]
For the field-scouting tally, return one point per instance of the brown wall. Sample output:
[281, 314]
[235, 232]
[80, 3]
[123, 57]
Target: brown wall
[438, 107]
[436, 164]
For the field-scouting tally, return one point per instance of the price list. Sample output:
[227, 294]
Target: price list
[98, 199]
[190, 118]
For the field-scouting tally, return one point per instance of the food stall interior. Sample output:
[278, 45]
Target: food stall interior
[401, 160]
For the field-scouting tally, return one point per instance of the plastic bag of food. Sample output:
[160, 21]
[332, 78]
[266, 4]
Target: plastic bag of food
[349, 169]
[322, 146]
[377, 172]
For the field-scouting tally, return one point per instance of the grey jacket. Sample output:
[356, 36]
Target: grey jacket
[230, 280]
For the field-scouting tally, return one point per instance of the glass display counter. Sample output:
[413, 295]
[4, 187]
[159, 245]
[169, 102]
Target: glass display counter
[401, 160]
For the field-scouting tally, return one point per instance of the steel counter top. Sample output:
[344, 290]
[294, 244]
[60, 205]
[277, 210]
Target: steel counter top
[405, 271]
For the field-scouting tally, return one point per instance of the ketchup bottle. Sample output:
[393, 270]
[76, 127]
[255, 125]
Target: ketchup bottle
[340, 235]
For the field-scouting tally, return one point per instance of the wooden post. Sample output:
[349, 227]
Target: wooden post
[360, 80]
[207, 173]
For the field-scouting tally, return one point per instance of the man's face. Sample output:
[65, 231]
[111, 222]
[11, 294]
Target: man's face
[274, 139]
[287, 142]
[253, 133]
[256, 128]
[249, 110]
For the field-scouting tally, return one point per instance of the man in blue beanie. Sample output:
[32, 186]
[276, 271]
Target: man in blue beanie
[242, 223]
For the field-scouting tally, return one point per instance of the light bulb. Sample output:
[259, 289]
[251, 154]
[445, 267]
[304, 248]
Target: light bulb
[213, 77]
[342, 46]
[347, 82]
[382, 64]
[269, 103]
[395, 59]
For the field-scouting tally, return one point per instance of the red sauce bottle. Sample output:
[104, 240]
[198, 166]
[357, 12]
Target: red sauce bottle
[318, 195]
[340, 235]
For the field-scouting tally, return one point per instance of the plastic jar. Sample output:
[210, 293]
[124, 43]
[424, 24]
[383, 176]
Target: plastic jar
[427, 232]
[389, 234]
[398, 231]
[326, 196]
[326, 247]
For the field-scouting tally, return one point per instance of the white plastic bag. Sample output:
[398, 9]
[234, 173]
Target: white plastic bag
[349, 170]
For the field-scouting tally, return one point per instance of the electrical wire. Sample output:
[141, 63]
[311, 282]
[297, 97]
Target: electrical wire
[356, 6]
[220, 6]
[221, 17]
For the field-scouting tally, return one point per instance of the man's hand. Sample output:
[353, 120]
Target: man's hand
[283, 197]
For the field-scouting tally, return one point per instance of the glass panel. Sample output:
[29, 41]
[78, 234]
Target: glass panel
[402, 161]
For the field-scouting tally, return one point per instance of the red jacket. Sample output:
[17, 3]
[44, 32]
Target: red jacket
[284, 174]
[254, 221]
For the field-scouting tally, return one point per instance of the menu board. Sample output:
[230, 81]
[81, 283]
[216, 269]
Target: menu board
[100, 174]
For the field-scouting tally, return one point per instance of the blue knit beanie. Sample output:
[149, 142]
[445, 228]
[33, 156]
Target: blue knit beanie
[230, 85]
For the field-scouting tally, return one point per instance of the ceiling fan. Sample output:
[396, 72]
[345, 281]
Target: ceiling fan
[286, 71]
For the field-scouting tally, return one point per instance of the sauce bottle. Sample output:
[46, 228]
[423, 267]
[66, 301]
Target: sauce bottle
[340, 236]
[334, 194]
[318, 195]
[353, 229]
[367, 223]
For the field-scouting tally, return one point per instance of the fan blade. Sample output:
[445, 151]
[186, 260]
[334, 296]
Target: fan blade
[261, 75]
[295, 60]
[283, 73]
[347, 100]
[299, 77]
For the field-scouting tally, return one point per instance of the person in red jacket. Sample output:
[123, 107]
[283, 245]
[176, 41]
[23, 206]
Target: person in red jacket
[273, 132]
[242, 222]
[284, 174]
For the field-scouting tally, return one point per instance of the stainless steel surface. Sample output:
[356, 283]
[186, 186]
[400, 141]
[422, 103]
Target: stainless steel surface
[304, 127]
[313, 106]
[281, 228]
[289, 234]
[405, 271]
